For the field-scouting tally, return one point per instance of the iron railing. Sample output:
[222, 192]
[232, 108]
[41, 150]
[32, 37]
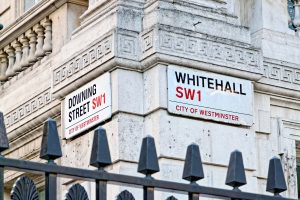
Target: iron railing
[25, 189]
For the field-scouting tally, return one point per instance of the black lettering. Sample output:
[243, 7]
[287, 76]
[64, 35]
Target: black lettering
[94, 90]
[191, 79]
[241, 90]
[219, 85]
[70, 116]
[70, 103]
[77, 113]
[203, 82]
[180, 77]
[88, 106]
[197, 81]
[234, 91]
[228, 87]
[83, 95]
[210, 83]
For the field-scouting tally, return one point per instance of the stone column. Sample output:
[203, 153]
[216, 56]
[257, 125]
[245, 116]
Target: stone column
[11, 59]
[3, 66]
[18, 51]
[48, 36]
[25, 51]
[39, 29]
[32, 41]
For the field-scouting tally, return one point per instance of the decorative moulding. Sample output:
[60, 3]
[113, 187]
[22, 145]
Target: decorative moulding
[281, 74]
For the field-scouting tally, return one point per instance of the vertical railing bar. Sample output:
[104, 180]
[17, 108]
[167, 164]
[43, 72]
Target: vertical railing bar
[148, 193]
[148, 164]
[101, 190]
[4, 145]
[193, 169]
[50, 186]
[1, 182]
[50, 151]
[194, 196]
[100, 158]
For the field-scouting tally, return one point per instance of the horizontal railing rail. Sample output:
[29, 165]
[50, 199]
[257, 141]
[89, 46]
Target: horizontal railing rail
[92, 175]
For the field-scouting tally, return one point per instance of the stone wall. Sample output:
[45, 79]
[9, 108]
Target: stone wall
[136, 41]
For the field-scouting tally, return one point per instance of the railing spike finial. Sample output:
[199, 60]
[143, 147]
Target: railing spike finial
[50, 149]
[276, 181]
[100, 156]
[193, 170]
[236, 176]
[3, 135]
[148, 162]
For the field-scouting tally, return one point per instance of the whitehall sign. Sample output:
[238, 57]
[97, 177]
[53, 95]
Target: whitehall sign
[87, 106]
[210, 96]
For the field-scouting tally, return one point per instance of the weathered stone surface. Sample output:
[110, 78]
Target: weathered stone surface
[175, 133]
[127, 91]
[136, 41]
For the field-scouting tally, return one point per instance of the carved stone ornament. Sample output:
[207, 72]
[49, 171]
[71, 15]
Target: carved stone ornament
[77, 192]
[125, 195]
[24, 189]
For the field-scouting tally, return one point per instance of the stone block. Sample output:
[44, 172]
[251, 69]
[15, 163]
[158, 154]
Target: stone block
[122, 129]
[262, 113]
[174, 133]
[266, 149]
[127, 91]
[155, 88]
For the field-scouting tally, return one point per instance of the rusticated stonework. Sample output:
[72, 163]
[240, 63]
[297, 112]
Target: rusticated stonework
[28, 108]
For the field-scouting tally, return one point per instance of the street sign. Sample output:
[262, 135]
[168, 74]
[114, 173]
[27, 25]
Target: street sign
[210, 96]
[87, 106]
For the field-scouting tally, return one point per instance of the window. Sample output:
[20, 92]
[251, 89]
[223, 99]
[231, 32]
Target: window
[29, 4]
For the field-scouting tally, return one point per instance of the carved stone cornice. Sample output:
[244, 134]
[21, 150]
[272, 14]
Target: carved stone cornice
[202, 48]
[139, 51]
[30, 114]
[92, 56]
[281, 74]
[280, 78]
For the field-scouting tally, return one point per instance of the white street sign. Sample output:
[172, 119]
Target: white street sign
[87, 106]
[210, 96]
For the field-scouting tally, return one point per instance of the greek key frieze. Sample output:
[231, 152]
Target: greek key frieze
[147, 41]
[282, 73]
[128, 46]
[28, 108]
[100, 52]
[208, 51]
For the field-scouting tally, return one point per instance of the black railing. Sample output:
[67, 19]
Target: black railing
[24, 188]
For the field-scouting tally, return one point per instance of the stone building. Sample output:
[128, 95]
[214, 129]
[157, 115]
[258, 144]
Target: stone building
[224, 74]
